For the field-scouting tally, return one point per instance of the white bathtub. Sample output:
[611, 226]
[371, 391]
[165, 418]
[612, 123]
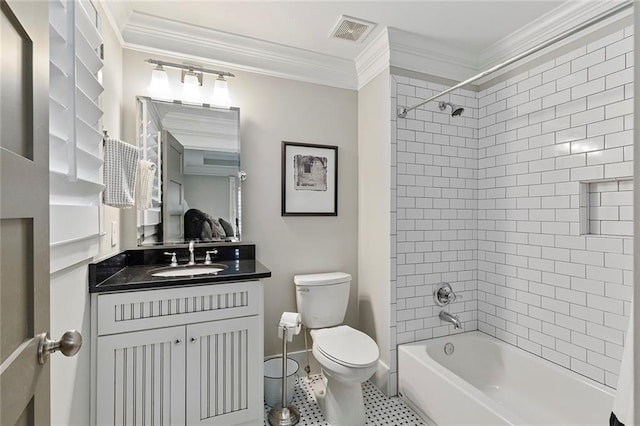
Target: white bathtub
[489, 382]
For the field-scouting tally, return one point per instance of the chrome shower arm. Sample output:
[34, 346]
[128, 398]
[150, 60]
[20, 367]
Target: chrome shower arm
[402, 111]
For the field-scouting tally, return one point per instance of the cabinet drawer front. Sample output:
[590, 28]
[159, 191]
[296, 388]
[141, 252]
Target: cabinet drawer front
[140, 310]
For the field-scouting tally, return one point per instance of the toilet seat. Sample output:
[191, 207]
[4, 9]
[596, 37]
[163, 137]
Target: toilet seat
[346, 346]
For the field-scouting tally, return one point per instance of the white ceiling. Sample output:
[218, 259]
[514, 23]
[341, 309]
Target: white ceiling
[472, 25]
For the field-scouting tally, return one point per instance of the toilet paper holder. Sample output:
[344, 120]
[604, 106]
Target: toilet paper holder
[286, 415]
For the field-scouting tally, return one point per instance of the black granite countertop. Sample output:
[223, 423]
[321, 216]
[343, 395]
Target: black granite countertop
[131, 269]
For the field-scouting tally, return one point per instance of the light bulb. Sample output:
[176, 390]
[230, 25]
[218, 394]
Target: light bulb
[221, 93]
[191, 88]
[159, 84]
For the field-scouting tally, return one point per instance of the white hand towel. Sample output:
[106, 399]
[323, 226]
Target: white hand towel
[144, 184]
[623, 402]
[120, 166]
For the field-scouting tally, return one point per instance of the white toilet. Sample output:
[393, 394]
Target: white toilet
[348, 357]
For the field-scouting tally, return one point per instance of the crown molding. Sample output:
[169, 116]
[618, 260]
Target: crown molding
[417, 53]
[116, 14]
[158, 35]
[563, 18]
[391, 47]
[373, 59]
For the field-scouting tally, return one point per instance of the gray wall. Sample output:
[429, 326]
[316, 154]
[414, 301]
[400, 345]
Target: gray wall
[273, 110]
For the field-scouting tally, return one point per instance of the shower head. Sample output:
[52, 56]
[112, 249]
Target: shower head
[456, 111]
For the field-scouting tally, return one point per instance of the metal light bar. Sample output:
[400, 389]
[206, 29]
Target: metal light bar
[402, 111]
[188, 67]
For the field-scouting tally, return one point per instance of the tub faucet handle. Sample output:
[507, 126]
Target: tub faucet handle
[174, 259]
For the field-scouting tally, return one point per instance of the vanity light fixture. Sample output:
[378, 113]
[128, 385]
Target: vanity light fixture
[191, 82]
[221, 93]
[192, 77]
[159, 85]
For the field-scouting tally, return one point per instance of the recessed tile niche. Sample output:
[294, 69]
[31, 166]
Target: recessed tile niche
[606, 207]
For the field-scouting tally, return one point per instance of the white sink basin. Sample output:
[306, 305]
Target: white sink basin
[188, 271]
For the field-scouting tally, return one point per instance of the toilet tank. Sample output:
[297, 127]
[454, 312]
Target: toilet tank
[322, 298]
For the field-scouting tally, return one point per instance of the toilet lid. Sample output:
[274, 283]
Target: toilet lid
[347, 346]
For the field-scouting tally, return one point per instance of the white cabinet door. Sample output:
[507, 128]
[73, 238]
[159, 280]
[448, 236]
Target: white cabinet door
[224, 372]
[141, 378]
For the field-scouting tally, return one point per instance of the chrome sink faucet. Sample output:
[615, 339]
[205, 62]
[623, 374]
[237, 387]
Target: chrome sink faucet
[192, 260]
[453, 319]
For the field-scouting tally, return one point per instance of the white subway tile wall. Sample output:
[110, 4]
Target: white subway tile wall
[542, 285]
[434, 212]
[491, 203]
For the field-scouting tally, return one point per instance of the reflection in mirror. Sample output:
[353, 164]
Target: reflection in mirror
[196, 190]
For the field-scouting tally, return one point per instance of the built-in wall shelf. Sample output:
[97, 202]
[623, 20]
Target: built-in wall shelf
[606, 207]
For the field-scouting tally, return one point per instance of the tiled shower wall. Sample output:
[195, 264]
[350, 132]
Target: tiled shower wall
[434, 212]
[490, 202]
[543, 286]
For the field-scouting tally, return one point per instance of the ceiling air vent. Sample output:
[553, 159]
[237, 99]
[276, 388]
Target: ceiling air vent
[352, 29]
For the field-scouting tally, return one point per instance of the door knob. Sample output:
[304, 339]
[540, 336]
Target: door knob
[69, 344]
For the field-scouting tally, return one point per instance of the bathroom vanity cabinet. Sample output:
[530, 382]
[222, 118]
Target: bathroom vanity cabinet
[181, 355]
[176, 349]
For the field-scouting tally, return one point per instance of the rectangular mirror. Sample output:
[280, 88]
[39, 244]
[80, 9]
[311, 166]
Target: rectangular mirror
[196, 189]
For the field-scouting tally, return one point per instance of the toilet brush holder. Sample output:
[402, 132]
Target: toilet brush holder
[286, 415]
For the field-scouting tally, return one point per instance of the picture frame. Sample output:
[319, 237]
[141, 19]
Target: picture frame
[309, 179]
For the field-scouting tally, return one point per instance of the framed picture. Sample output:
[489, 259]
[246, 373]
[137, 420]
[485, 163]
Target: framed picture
[309, 179]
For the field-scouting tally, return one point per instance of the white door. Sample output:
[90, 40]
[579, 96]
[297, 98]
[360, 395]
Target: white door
[24, 210]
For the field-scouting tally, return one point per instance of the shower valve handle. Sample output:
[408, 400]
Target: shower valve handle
[443, 294]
